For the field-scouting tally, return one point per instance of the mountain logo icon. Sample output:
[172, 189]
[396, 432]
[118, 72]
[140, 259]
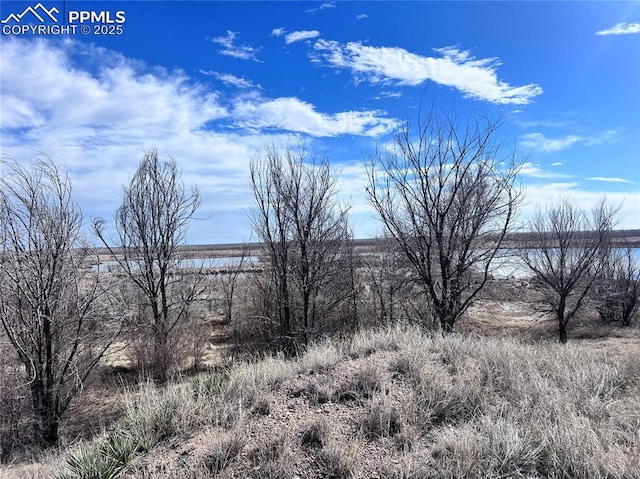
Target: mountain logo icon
[41, 13]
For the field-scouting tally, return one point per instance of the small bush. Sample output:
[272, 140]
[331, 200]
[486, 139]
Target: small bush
[459, 452]
[104, 459]
[261, 408]
[367, 342]
[87, 462]
[270, 450]
[205, 386]
[152, 420]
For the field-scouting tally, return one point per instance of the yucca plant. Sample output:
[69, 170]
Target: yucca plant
[105, 459]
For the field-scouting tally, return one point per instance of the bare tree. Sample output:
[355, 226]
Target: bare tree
[150, 225]
[305, 234]
[447, 196]
[386, 281]
[228, 281]
[566, 250]
[47, 294]
[616, 288]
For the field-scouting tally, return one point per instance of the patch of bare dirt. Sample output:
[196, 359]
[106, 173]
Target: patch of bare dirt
[335, 399]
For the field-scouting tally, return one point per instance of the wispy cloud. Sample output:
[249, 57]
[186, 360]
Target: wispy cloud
[294, 115]
[388, 94]
[545, 123]
[301, 35]
[230, 79]
[622, 28]
[324, 6]
[607, 179]
[243, 52]
[608, 136]
[277, 32]
[539, 141]
[362, 16]
[475, 78]
[535, 171]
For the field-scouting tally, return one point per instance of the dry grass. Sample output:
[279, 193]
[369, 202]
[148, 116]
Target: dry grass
[422, 406]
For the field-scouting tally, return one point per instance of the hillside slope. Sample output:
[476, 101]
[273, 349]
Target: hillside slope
[393, 403]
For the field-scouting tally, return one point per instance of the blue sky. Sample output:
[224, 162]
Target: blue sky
[213, 83]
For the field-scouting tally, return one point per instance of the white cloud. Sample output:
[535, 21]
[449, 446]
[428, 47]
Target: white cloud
[608, 136]
[535, 171]
[388, 94]
[45, 92]
[543, 195]
[539, 141]
[548, 123]
[475, 78]
[362, 16]
[243, 52]
[97, 121]
[622, 28]
[607, 179]
[353, 180]
[292, 114]
[557, 163]
[277, 32]
[301, 35]
[230, 79]
[321, 7]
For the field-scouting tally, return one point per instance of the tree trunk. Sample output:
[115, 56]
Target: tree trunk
[562, 320]
[50, 430]
[160, 357]
[45, 419]
[446, 325]
[285, 309]
[562, 330]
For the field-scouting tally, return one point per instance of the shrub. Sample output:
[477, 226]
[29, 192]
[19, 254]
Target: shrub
[104, 459]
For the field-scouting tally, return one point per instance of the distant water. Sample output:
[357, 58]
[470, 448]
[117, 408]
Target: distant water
[206, 263]
[514, 267]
